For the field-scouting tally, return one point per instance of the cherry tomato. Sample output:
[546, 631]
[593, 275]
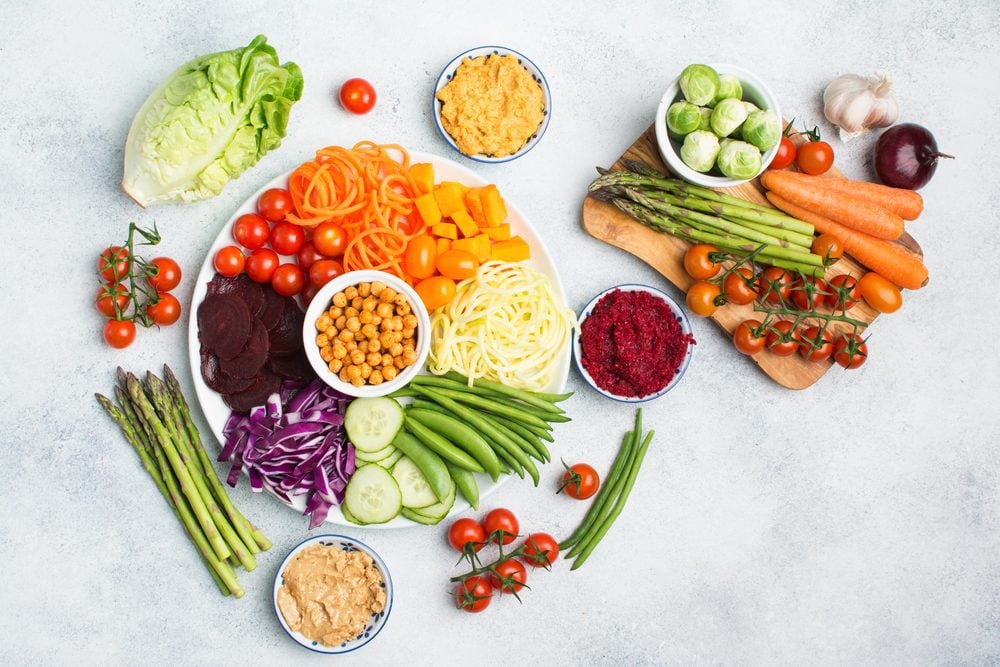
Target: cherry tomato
[260, 265]
[275, 204]
[229, 261]
[119, 333]
[809, 293]
[814, 157]
[844, 292]
[880, 293]
[457, 264]
[330, 239]
[774, 285]
[829, 247]
[466, 531]
[785, 155]
[580, 481]
[288, 279]
[167, 275]
[251, 231]
[309, 293]
[540, 550]
[286, 238]
[509, 577]
[781, 339]
[323, 271]
[473, 595]
[850, 351]
[435, 291]
[166, 310]
[697, 263]
[357, 96]
[815, 346]
[748, 338]
[108, 296]
[113, 263]
[738, 287]
[501, 519]
[420, 256]
[701, 298]
[308, 255]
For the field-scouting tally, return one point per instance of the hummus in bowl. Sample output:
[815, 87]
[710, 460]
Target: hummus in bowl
[332, 594]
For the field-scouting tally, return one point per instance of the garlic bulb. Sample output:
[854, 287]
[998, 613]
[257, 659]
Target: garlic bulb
[856, 104]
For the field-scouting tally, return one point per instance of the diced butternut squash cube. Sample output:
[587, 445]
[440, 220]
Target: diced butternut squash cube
[493, 207]
[467, 244]
[475, 206]
[461, 186]
[443, 244]
[465, 223]
[514, 250]
[423, 174]
[449, 199]
[481, 247]
[428, 208]
[446, 230]
[500, 233]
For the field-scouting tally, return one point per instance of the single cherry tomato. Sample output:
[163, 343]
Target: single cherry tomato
[251, 231]
[580, 481]
[108, 296]
[323, 271]
[815, 345]
[540, 550]
[785, 155]
[781, 339]
[435, 292]
[420, 256]
[509, 576]
[701, 298]
[113, 263]
[809, 293]
[330, 239]
[466, 532]
[880, 293]
[166, 310]
[814, 157]
[286, 238]
[260, 265]
[697, 262]
[499, 521]
[774, 285]
[850, 351]
[748, 337]
[166, 276]
[287, 279]
[274, 205]
[119, 333]
[843, 292]
[473, 595]
[357, 96]
[829, 247]
[308, 255]
[229, 261]
[457, 264]
[739, 286]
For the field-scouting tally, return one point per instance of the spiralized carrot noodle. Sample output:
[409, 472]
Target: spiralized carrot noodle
[369, 193]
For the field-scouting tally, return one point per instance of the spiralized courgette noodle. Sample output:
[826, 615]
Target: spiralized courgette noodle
[507, 324]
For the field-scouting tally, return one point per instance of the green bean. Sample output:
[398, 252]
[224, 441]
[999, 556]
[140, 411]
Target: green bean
[492, 405]
[441, 446]
[459, 434]
[427, 461]
[528, 435]
[489, 387]
[525, 445]
[466, 483]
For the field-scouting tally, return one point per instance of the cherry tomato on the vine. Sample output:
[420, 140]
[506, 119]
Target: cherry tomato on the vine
[850, 351]
[697, 262]
[229, 261]
[880, 293]
[809, 293]
[420, 256]
[580, 481]
[275, 204]
[829, 247]
[323, 271]
[844, 292]
[509, 577]
[738, 286]
[286, 238]
[465, 531]
[357, 96]
[774, 285]
[167, 275]
[251, 231]
[330, 239]
[701, 298]
[166, 310]
[748, 338]
[119, 333]
[308, 255]
[501, 519]
[814, 157]
[108, 295]
[540, 550]
[288, 279]
[781, 339]
[435, 291]
[113, 263]
[261, 264]
[785, 155]
[815, 345]
[473, 595]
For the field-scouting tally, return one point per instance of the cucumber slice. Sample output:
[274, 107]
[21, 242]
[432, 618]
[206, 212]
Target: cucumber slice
[437, 511]
[372, 495]
[350, 517]
[376, 456]
[412, 483]
[389, 462]
[372, 423]
[419, 518]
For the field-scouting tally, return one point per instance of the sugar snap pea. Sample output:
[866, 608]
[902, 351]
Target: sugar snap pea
[427, 461]
[466, 483]
[441, 446]
[460, 435]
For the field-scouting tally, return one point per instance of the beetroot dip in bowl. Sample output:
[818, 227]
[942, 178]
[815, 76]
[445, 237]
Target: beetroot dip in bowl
[634, 343]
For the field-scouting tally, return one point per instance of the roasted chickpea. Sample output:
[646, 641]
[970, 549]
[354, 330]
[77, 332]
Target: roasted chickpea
[336, 312]
[323, 322]
[331, 333]
[377, 287]
[376, 320]
[357, 357]
[384, 310]
[369, 331]
[389, 373]
[363, 346]
[345, 335]
[341, 321]
[409, 321]
[340, 299]
[409, 357]
[374, 345]
[351, 293]
[351, 311]
[366, 370]
[385, 325]
[356, 303]
[353, 372]
[397, 323]
[364, 289]
[335, 365]
[322, 340]
[386, 360]
[397, 336]
[343, 375]
[408, 333]
[358, 382]
[369, 304]
[339, 351]
[403, 309]
[365, 317]
[353, 324]
[326, 353]
[373, 358]
[398, 363]
[375, 377]
[396, 349]
[351, 345]
[400, 299]
[385, 339]
[387, 295]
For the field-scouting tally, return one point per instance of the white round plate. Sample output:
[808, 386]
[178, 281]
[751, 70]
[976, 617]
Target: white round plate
[217, 412]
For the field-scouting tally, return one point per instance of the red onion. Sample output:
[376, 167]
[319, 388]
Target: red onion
[906, 156]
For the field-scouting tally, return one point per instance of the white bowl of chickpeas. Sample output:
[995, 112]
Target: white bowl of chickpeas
[366, 333]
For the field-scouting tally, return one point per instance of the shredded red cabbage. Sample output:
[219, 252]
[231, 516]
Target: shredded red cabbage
[294, 444]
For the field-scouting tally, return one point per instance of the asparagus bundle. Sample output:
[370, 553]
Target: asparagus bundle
[156, 420]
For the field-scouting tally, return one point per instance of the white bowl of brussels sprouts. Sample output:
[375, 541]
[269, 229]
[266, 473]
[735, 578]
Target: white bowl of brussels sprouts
[718, 125]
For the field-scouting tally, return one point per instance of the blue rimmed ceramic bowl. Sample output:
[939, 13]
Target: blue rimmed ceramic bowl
[449, 71]
[677, 312]
[374, 624]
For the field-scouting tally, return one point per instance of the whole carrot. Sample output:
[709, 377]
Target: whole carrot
[891, 260]
[907, 204]
[837, 206]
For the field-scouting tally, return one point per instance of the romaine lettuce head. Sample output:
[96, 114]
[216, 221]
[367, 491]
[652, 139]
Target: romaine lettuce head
[208, 122]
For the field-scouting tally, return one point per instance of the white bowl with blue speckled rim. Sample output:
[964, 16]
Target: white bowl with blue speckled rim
[678, 313]
[449, 71]
[374, 624]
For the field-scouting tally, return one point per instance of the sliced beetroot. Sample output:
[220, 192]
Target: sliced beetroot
[293, 366]
[251, 293]
[261, 386]
[252, 357]
[224, 324]
[218, 381]
[286, 335]
[274, 306]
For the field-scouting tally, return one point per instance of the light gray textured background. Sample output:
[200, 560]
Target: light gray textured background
[855, 522]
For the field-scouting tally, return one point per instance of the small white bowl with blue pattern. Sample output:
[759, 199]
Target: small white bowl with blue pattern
[449, 71]
[374, 624]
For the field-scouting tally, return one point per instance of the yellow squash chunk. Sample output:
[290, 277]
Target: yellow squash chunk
[467, 244]
[465, 223]
[428, 209]
[449, 199]
[475, 206]
[514, 250]
[501, 233]
[443, 244]
[454, 184]
[493, 206]
[481, 247]
[423, 174]
[445, 229]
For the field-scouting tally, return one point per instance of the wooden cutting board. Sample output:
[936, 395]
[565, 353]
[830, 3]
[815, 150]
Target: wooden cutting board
[665, 254]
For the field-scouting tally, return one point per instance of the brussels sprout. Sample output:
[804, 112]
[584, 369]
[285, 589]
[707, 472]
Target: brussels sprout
[727, 115]
[699, 150]
[699, 83]
[762, 129]
[738, 159]
[683, 118]
[750, 107]
[729, 87]
[706, 117]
